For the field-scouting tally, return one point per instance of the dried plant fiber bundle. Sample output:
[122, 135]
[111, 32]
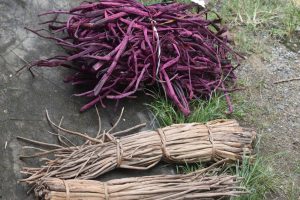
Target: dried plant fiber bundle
[159, 187]
[178, 143]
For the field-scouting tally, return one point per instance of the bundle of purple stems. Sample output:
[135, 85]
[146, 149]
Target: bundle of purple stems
[119, 47]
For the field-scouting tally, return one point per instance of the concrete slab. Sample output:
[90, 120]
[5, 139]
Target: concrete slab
[23, 99]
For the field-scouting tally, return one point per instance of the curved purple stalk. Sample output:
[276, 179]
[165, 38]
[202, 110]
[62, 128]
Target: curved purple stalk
[113, 45]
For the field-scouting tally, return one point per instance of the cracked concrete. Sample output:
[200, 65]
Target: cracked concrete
[23, 99]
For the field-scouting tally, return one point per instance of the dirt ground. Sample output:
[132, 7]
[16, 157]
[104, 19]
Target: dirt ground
[275, 111]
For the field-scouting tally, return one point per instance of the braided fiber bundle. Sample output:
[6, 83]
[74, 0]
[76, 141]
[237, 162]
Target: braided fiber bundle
[191, 186]
[178, 143]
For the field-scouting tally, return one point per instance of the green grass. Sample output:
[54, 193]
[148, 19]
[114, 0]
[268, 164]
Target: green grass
[202, 111]
[280, 17]
[258, 177]
[293, 191]
[188, 168]
[253, 20]
[297, 169]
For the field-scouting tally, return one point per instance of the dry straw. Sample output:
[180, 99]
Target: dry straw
[178, 143]
[159, 187]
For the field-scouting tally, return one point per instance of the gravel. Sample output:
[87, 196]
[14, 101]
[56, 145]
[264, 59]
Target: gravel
[276, 108]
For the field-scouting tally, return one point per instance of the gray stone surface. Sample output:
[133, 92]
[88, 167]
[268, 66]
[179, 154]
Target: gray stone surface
[23, 99]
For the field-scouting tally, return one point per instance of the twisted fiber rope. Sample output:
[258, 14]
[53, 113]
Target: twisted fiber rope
[119, 153]
[106, 191]
[211, 139]
[67, 189]
[164, 149]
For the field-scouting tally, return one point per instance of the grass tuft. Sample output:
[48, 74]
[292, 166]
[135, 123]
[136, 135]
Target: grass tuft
[188, 168]
[253, 19]
[297, 169]
[293, 191]
[202, 111]
[258, 177]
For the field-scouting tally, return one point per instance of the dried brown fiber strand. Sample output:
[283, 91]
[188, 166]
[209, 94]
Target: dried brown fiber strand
[178, 143]
[162, 187]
